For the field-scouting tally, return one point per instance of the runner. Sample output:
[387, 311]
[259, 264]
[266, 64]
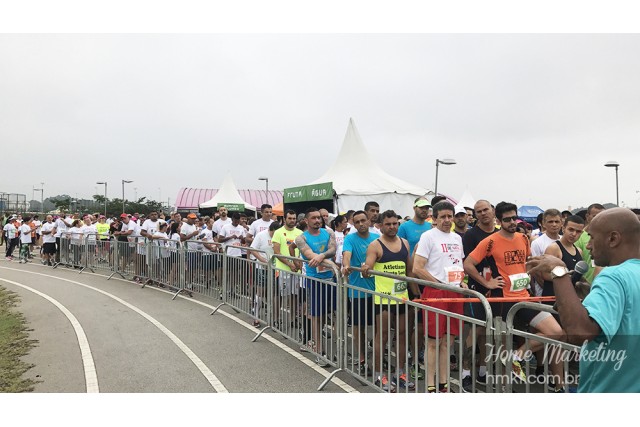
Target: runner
[260, 224]
[372, 209]
[25, 240]
[509, 251]
[592, 211]
[48, 231]
[354, 255]
[262, 242]
[438, 258]
[390, 254]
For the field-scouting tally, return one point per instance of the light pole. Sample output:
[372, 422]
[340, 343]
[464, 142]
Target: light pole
[105, 196]
[266, 179]
[614, 164]
[41, 190]
[438, 163]
[124, 181]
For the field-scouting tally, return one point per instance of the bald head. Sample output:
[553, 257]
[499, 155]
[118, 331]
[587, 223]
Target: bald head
[615, 237]
[621, 220]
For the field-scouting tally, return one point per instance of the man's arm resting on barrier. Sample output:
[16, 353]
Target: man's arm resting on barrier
[276, 250]
[374, 252]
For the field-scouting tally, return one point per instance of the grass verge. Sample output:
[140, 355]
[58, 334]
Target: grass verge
[14, 344]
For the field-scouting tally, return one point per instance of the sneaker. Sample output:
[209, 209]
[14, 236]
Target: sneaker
[310, 346]
[363, 369]
[517, 372]
[403, 382]
[416, 374]
[384, 384]
[421, 356]
[453, 363]
[559, 390]
[431, 389]
[445, 389]
[322, 362]
[481, 379]
[256, 323]
[467, 384]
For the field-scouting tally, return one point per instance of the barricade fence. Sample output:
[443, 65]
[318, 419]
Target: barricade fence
[385, 340]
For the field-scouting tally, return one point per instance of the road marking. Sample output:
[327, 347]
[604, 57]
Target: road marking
[90, 376]
[213, 380]
[337, 381]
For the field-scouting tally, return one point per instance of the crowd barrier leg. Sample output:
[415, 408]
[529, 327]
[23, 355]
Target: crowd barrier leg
[115, 257]
[225, 284]
[268, 292]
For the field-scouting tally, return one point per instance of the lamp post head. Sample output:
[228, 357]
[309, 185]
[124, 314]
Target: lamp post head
[612, 164]
[446, 161]
[263, 178]
[127, 182]
[100, 182]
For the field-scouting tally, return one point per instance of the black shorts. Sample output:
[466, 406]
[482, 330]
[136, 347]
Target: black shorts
[49, 248]
[361, 311]
[392, 308]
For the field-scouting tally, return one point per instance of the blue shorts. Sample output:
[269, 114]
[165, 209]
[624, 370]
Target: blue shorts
[322, 296]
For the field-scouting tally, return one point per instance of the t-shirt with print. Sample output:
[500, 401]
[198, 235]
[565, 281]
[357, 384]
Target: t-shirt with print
[38, 225]
[339, 243]
[509, 256]
[186, 230]
[207, 237]
[412, 231]
[230, 230]
[444, 255]
[219, 223]
[89, 232]
[25, 233]
[150, 226]
[61, 227]
[285, 238]
[10, 231]
[48, 238]
[358, 245]
[486, 267]
[259, 225]
[262, 242]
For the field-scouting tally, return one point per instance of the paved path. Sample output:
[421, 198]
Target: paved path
[139, 340]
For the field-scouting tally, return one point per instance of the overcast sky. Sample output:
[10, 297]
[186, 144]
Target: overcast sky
[529, 118]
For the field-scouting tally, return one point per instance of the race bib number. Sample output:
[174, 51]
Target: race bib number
[519, 281]
[454, 274]
[321, 268]
[399, 287]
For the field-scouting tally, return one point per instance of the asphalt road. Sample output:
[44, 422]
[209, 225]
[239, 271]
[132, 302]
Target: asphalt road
[140, 340]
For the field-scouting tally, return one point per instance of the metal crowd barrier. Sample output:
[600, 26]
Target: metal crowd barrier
[359, 331]
[552, 350]
[397, 330]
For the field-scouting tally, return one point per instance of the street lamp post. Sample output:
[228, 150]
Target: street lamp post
[105, 196]
[124, 181]
[438, 163]
[41, 190]
[266, 179]
[614, 164]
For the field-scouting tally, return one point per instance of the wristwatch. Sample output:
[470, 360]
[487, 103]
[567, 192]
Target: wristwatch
[558, 272]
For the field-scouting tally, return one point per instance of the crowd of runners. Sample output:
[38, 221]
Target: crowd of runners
[483, 248]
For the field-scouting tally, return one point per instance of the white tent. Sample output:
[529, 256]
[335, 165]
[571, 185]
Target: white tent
[358, 179]
[227, 194]
[467, 200]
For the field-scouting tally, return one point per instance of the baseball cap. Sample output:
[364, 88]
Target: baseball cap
[124, 215]
[460, 210]
[421, 203]
[192, 215]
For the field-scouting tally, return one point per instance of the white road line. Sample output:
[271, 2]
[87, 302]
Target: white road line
[337, 381]
[90, 376]
[213, 380]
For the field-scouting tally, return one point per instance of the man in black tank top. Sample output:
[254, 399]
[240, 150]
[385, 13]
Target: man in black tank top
[565, 248]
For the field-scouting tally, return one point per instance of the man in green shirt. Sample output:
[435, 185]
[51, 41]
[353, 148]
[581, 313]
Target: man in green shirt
[581, 244]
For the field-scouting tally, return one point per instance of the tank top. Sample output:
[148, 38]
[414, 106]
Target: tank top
[391, 263]
[569, 260]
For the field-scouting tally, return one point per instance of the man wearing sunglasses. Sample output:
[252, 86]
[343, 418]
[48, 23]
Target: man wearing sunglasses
[510, 250]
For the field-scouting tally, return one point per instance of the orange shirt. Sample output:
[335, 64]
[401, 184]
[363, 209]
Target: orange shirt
[509, 256]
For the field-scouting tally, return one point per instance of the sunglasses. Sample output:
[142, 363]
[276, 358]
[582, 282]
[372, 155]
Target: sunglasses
[509, 218]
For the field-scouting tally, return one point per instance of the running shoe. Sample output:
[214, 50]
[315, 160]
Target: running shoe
[431, 389]
[322, 362]
[445, 389]
[467, 384]
[453, 362]
[403, 382]
[517, 371]
[384, 384]
[416, 374]
[481, 379]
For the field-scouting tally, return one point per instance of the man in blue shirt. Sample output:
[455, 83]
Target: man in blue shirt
[607, 322]
[413, 229]
[354, 254]
[318, 246]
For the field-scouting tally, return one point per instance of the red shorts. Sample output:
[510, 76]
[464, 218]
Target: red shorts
[437, 324]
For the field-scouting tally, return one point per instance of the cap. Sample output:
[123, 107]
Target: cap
[192, 215]
[124, 215]
[421, 203]
[460, 210]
